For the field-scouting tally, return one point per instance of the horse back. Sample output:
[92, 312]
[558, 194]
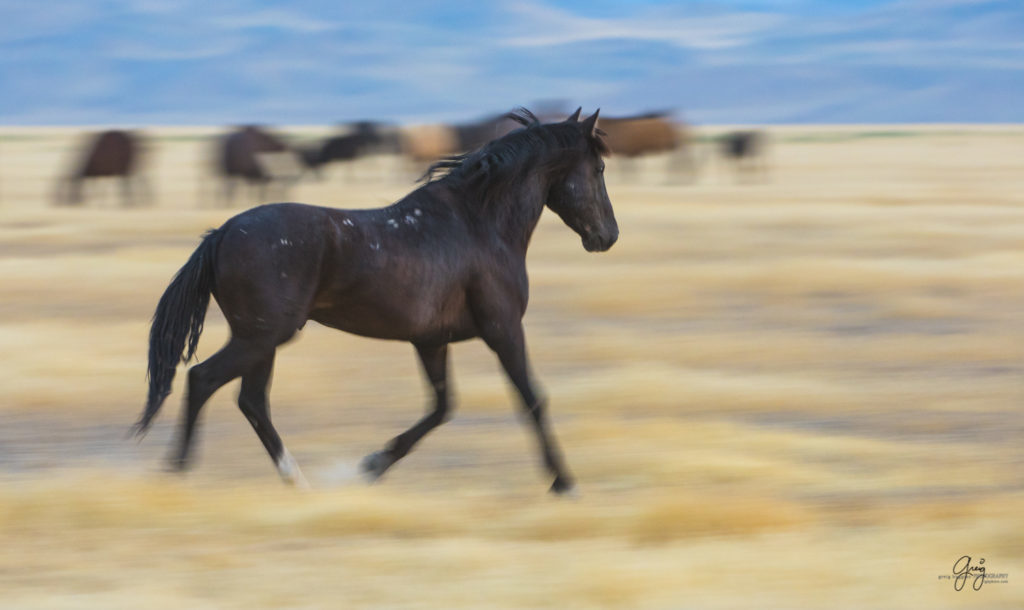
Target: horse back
[399, 272]
[638, 136]
[268, 268]
[241, 150]
[429, 142]
[111, 153]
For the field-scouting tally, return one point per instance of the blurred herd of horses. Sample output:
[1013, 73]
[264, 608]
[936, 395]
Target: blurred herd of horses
[268, 163]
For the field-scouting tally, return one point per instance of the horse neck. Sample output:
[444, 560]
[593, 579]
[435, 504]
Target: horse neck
[516, 212]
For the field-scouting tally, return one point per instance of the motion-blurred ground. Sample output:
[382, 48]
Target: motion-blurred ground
[799, 391]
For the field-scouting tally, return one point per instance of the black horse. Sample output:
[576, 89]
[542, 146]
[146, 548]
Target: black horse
[446, 263]
[108, 154]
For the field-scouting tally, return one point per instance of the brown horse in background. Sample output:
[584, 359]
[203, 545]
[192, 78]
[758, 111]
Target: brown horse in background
[108, 154]
[648, 134]
[258, 158]
[428, 143]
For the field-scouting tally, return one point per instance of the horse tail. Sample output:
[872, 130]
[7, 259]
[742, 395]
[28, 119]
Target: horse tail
[177, 324]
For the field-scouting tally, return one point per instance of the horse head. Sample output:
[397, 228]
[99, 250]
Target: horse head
[581, 199]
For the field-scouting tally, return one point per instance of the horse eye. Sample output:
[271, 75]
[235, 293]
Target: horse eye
[600, 168]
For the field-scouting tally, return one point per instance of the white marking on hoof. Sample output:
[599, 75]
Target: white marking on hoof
[289, 470]
[573, 493]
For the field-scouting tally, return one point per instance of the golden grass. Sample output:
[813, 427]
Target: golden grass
[802, 392]
[125, 540]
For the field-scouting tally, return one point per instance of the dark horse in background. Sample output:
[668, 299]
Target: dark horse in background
[447, 263]
[747, 151]
[244, 156]
[471, 136]
[364, 138]
[108, 154]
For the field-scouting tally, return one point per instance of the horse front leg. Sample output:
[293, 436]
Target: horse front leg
[434, 359]
[509, 343]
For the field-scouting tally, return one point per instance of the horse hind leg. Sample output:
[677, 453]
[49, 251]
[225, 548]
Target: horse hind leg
[252, 400]
[143, 190]
[205, 378]
[127, 191]
[435, 365]
[69, 192]
[228, 192]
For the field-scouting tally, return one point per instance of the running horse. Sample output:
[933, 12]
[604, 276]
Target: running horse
[447, 263]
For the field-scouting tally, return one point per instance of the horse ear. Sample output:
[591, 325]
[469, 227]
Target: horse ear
[589, 124]
[575, 117]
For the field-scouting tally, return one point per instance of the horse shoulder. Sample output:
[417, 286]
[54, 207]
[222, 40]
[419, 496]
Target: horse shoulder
[499, 287]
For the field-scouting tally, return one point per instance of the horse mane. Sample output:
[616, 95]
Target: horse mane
[495, 166]
[491, 179]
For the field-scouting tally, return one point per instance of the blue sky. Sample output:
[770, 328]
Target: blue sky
[134, 62]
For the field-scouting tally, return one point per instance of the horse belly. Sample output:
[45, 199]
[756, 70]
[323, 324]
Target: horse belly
[417, 318]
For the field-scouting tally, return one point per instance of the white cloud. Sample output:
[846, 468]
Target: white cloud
[768, 61]
[151, 51]
[276, 19]
[30, 20]
[545, 26]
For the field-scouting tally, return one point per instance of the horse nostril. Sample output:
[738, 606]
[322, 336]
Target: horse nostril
[614, 237]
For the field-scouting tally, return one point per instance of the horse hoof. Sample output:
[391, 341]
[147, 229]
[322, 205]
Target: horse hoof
[375, 464]
[290, 472]
[176, 465]
[565, 489]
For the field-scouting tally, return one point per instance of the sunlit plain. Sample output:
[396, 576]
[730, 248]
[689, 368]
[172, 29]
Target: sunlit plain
[800, 388]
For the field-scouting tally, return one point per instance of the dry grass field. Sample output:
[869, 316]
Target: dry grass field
[805, 390]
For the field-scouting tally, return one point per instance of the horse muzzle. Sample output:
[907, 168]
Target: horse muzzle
[597, 242]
